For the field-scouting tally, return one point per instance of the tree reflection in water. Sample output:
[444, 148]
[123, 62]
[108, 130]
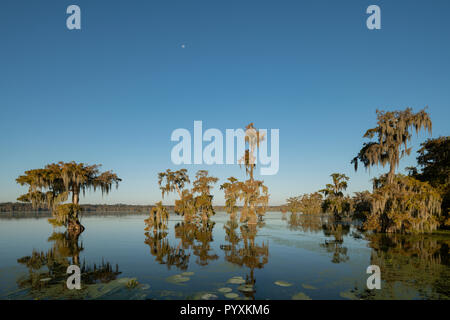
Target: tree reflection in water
[242, 250]
[330, 228]
[418, 262]
[337, 230]
[305, 222]
[156, 239]
[202, 249]
[194, 239]
[163, 252]
[47, 270]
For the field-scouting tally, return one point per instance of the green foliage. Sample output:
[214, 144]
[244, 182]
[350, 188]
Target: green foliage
[392, 135]
[203, 205]
[171, 181]
[340, 206]
[307, 204]
[362, 204]
[203, 183]
[185, 206]
[64, 214]
[339, 184]
[52, 185]
[255, 197]
[406, 205]
[253, 193]
[311, 203]
[293, 204]
[335, 202]
[434, 161]
[202, 186]
[191, 202]
[159, 216]
[231, 190]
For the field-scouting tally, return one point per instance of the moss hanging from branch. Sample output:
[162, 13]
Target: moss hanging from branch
[159, 216]
[52, 186]
[392, 135]
[406, 205]
[335, 201]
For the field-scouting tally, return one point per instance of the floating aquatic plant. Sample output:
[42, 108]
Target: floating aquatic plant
[236, 280]
[300, 296]
[132, 283]
[209, 296]
[246, 288]
[177, 279]
[283, 283]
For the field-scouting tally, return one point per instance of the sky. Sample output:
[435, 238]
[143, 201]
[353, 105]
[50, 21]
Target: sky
[113, 92]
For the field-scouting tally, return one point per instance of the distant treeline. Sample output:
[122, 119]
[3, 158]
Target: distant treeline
[7, 207]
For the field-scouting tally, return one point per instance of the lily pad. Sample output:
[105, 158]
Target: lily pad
[283, 283]
[209, 296]
[236, 280]
[246, 288]
[187, 274]
[225, 290]
[300, 296]
[177, 279]
[231, 295]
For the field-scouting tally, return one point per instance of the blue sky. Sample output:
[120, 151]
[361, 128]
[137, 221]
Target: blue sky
[113, 92]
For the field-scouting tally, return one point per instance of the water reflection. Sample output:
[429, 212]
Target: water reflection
[330, 227]
[306, 223]
[47, 270]
[337, 230]
[242, 250]
[416, 264]
[195, 239]
[156, 239]
[412, 267]
[163, 252]
[202, 249]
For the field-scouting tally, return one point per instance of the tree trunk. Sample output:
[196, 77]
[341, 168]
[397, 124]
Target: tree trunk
[391, 174]
[75, 195]
[74, 226]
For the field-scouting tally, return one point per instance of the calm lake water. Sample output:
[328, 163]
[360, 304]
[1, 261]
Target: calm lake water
[285, 257]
